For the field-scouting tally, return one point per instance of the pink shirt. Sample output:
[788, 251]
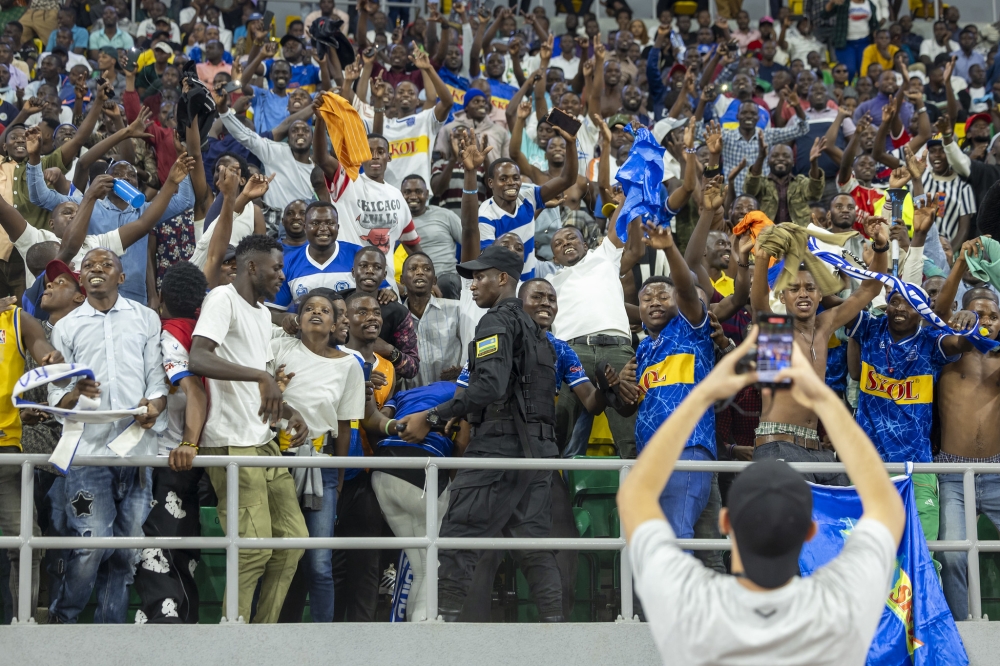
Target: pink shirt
[207, 71]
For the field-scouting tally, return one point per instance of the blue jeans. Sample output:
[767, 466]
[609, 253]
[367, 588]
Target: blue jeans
[319, 562]
[954, 566]
[686, 494]
[102, 502]
[852, 54]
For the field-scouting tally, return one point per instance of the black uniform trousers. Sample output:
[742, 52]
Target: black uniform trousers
[488, 503]
[164, 578]
[356, 572]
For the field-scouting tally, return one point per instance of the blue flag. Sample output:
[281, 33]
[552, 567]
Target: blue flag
[916, 626]
[640, 178]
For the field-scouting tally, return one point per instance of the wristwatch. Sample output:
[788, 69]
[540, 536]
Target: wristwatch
[433, 418]
[395, 356]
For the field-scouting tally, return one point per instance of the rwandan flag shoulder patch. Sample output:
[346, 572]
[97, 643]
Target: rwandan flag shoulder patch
[487, 346]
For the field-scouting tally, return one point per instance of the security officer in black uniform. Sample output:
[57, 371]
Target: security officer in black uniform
[509, 404]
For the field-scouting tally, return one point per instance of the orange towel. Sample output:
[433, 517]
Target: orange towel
[347, 133]
[754, 222]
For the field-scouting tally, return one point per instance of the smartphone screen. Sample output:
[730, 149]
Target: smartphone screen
[774, 348]
[368, 370]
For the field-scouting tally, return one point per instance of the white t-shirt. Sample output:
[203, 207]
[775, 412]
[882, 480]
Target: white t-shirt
[411, 142]
[242, 227]
[372, 213]
[698, 616]
[324, 390]
[857, 24]
[591, 298]
[932, 49]
[243, 335]
[175, 364]
[111, 240]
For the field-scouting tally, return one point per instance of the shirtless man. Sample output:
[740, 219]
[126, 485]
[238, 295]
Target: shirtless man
[970, 426]
[786, 430]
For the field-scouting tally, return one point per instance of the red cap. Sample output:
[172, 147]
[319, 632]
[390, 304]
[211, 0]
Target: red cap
[677, 66]
[977, 116]
[55, 268]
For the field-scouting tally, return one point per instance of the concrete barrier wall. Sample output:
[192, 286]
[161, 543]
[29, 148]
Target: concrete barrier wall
[369, 644]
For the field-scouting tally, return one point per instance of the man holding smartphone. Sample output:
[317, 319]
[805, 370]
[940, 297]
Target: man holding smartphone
[789, 431]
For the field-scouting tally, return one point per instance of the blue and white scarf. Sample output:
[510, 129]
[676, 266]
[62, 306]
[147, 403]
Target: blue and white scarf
[87, 410]
[913, 295]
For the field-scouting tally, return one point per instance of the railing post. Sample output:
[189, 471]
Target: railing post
[431, 577]
[972, 534]
[24, 608]
[625, 570]
[232, 550]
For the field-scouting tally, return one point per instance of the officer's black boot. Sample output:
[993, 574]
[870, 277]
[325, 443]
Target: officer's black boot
[449, 614]
[552, 618]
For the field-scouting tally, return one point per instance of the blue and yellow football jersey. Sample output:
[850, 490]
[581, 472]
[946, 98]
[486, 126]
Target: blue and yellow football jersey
[668, 368]
[897, 387]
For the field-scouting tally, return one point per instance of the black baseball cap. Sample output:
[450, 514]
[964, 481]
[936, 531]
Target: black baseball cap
[495, 256]
[770, 509]
[230, 254]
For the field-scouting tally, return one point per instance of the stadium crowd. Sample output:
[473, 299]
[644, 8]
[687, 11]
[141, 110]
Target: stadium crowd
[269, 236]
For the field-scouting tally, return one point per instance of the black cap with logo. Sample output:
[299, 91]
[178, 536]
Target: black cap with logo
[495, 256]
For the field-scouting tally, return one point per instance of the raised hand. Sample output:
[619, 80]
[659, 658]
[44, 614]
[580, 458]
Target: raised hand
[689, 136]
[599, 50]
[761, 143]
[270, 49]
[111, 109]
[352, 72]
[588, 67]
[864, 122]
[475, 152]
[421, 60]
[877, 228]
[458, 142]
[889, 111]
[713, 137]
[899, 177]
[819, 144]
[181, 168]
[708, 94]
[36, 104]
[257, 185]
[923, 215]
[793, 97]
[603, 126]
[524, 109]
[379, 87]
[943, 125]
[33, 140]
[731, 176]
[229, 183]
[657, 237]
[546, 50]
[949, 68]
[915, 166]
[713, 193]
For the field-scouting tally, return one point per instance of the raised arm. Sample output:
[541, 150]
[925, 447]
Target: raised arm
[878, 230]
[444, 98]
[694, 254]
[475, 52]
[597, 89]
[474, 154]
[567, 179]
[685, 293]
[847, 160]
[832, 132]
[679, 197]
[203, 197]
[878, 149]
[541, 108]
[516, 133]
[135, 130]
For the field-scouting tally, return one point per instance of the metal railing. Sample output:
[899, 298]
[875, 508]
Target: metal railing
[432, 542]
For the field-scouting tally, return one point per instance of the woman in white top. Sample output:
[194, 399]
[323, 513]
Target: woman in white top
[327, 387]
[856, 21]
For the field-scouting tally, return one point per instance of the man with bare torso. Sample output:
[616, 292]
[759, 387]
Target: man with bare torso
[787, 430]
[970, 427]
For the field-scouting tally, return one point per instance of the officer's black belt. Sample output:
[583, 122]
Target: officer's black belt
[508, 427]
[601, 340]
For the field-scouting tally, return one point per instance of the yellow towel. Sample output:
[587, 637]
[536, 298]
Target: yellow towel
[347, 133]
[789, 241]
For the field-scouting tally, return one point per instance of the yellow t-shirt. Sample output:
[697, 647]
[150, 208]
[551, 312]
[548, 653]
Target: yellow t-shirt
[11, 369]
